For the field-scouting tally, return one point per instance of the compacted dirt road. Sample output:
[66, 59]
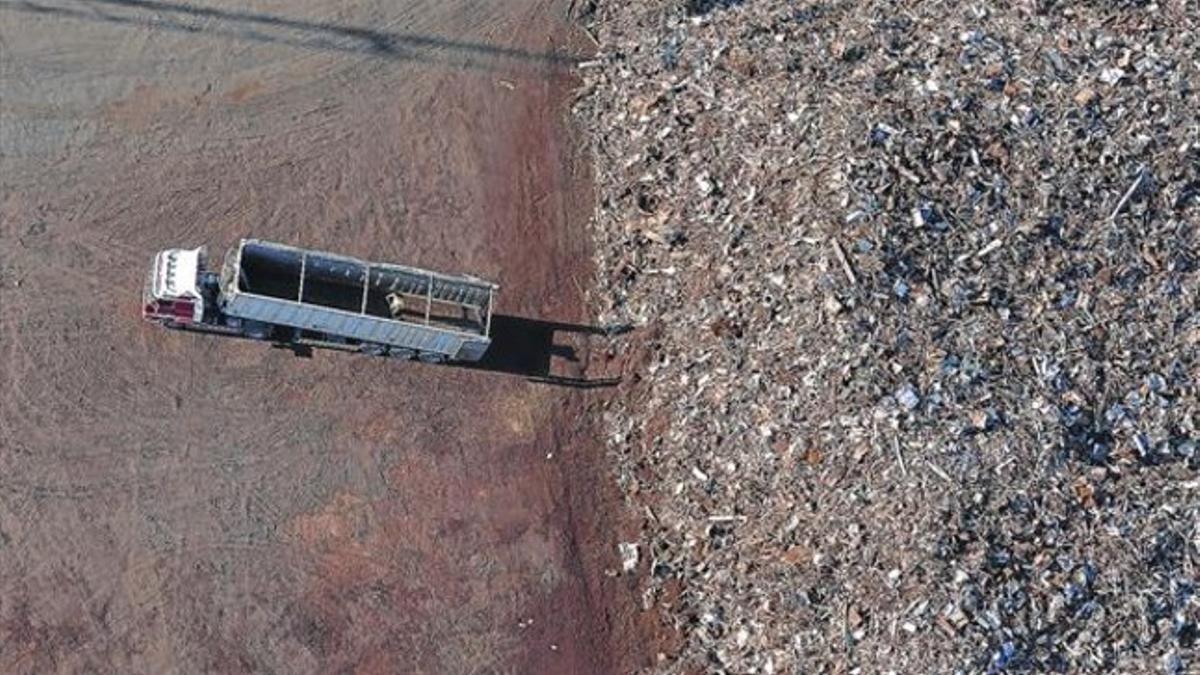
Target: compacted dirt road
[181, 503]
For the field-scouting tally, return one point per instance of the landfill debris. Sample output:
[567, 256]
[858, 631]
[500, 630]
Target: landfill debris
[629, 556]
[919, 392]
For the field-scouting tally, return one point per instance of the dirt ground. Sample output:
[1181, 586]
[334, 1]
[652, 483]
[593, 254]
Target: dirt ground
[181, 503]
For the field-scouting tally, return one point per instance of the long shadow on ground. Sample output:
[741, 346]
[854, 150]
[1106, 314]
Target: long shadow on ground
[301, 33]
[520, 346]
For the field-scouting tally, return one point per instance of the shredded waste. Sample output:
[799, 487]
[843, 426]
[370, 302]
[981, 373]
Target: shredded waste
[914, 384]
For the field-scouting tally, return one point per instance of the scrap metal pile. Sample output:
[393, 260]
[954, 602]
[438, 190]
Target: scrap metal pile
[916, 388]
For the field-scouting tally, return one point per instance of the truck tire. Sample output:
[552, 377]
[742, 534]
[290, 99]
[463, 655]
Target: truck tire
[256, 330]
[431, 357]
[402, 354]
[373, 349]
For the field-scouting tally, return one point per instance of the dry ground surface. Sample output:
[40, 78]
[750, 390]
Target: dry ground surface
[180, 503]
[921, 303]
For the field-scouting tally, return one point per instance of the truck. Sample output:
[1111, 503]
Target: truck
[305, 299]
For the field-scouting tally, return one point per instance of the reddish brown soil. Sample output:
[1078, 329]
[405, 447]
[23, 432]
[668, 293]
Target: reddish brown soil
[180, 503]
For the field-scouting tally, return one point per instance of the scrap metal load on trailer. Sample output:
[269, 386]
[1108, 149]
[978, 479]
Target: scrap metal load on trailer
[301, 298]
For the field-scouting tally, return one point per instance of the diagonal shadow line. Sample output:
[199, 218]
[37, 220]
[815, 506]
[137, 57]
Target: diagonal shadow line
[379, 41]
[325, 35]
[174, 26]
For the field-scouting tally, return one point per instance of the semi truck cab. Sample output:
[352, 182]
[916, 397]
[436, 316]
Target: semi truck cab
[174, 289]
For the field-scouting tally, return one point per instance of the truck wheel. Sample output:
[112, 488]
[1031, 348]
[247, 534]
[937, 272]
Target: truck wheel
[402, 354]
[256, 330]
[373, 349]
[429, 357]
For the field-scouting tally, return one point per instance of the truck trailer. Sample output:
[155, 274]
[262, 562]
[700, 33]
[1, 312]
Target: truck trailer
[311, 299]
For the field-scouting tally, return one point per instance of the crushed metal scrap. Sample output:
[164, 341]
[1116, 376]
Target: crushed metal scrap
[916, 383]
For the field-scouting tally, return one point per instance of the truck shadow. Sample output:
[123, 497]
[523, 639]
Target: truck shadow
[528, 347]
[238, 24]
[523, 347]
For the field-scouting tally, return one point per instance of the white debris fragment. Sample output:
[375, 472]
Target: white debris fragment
[1111, 76]
[629, 556]
[907, 397]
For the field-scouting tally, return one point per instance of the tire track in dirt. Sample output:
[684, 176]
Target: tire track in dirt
[216, 505]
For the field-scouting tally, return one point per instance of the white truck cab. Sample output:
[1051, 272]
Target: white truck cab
[172, 293]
